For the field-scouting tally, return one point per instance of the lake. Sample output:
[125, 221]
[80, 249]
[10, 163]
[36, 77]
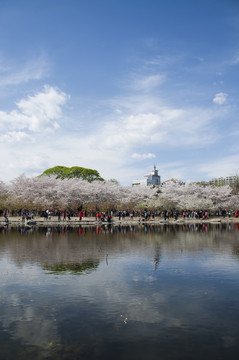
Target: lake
[134, 292]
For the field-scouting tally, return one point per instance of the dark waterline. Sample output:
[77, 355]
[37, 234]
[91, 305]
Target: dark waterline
[148, 292]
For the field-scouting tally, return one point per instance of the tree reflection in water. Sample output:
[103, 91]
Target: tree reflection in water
[110, 292]
[76, 269]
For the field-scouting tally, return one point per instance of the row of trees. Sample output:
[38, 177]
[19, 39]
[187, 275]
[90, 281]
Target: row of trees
[52, 192]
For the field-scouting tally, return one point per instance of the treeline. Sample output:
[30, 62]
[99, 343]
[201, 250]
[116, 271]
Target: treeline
[50, 192]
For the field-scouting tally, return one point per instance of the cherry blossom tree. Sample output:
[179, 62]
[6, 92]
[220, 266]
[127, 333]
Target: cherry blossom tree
[52, 192]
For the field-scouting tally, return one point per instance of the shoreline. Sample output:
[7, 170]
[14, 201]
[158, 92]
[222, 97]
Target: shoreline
[91, 221]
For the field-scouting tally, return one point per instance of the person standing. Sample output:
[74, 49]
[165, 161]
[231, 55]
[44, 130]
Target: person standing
[64, 215]
[59, 215]
[81, 214]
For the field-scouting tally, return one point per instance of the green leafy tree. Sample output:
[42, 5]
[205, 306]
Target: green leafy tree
[63, 172]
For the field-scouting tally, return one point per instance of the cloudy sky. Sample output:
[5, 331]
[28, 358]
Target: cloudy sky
[119, 86]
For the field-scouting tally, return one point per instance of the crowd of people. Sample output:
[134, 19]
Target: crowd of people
[121, 215]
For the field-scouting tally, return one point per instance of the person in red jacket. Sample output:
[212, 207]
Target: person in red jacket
[98, 216]
[81, 214]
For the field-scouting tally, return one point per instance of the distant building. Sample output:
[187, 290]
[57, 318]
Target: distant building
[229, 180]
[152, 179]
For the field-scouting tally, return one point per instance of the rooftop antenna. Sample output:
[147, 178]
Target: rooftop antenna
[155, 172]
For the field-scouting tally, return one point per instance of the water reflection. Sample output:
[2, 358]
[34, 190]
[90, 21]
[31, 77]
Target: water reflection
[109, 229]
[120, 292]
[76, 269]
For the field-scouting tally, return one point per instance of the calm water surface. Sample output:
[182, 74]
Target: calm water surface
[162, 292]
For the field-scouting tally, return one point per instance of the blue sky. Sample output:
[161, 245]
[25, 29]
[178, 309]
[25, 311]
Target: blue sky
[119, 86]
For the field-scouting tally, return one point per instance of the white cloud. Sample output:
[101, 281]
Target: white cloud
[110, 145]
[220, 98]
[16, 136]
[113, 135]
[143, 156]
[37, 113]
[34, 162]
[33, 70]
[31, 160]
[42, 108]
[164, 126]
[225, 166]
[146, 83]
[235, 59]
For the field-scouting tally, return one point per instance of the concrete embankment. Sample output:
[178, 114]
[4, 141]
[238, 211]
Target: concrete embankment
[91, 221]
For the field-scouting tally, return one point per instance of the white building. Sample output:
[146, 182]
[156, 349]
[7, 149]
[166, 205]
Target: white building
[229, 180]
[149, 180]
